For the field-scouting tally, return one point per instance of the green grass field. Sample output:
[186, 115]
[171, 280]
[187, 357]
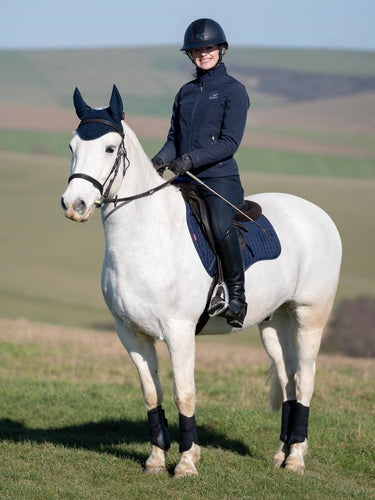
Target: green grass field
[249, 158]
[73, 423]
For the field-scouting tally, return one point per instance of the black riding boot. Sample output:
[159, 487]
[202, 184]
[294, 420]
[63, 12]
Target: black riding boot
[229, 253]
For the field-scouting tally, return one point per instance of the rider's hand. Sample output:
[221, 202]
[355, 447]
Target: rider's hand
[180, 166]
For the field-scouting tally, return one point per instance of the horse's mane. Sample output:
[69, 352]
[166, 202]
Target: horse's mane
[132, 141]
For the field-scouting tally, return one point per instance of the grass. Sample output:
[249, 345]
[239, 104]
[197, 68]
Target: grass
[329, 137]
[293, 163]
[35, 142]
[73, 424]
[250, 159]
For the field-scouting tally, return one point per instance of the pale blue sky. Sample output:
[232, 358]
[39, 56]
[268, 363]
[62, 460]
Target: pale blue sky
[347, 24]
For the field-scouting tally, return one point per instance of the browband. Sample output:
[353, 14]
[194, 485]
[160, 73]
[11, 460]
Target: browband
[105, 122]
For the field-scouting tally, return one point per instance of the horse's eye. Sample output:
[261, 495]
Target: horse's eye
[71, 149]
[110, 149]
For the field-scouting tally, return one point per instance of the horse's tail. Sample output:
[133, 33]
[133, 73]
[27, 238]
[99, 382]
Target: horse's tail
[276, 395]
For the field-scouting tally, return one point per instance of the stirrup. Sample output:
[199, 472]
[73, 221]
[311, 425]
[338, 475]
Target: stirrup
[219, 300]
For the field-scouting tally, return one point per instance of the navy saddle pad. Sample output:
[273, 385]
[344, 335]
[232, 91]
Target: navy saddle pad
[259, 246]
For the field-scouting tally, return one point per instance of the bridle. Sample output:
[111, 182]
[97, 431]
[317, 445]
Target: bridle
[121, 158]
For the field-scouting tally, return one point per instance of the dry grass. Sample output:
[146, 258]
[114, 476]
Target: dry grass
[105, 350]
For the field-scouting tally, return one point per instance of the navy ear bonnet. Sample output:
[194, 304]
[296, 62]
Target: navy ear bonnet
[114, 114]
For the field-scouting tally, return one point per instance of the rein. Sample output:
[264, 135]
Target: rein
[121, 156]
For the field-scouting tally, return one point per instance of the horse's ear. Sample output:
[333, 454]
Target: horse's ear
[81, 107]
[116, 105]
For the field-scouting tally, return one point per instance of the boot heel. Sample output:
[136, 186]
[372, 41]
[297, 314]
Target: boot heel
[235, 318]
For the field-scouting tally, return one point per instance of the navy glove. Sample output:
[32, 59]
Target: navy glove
[180, 166]
[158, 162]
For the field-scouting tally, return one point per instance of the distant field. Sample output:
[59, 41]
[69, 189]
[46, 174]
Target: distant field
[249, 158]
[52, 271]
[150, 76]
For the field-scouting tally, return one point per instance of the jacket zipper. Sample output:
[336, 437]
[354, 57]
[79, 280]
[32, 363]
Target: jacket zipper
[192, 115]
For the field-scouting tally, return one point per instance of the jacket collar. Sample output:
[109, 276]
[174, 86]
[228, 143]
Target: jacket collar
[205, 77]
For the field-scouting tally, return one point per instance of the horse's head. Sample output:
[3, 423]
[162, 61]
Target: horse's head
[98, 156]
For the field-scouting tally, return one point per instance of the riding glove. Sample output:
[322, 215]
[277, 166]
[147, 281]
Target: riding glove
[180, 166]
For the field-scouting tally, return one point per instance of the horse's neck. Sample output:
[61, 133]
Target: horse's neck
[146, 214]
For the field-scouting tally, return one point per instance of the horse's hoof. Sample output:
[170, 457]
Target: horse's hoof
[189, 459]
[296, 468]
[154, 470]
[295, 461]
[185, 469]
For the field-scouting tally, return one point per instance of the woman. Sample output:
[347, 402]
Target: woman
[207, 125]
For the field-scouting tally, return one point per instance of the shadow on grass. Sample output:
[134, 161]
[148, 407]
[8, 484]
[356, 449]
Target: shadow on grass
[110, 436]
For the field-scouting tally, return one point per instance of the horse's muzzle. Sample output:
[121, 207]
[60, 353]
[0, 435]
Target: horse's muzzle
[77, 211]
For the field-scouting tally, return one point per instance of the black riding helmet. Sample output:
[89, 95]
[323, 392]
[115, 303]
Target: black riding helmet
[203, 33]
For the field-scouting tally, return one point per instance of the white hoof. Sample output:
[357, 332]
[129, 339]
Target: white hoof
[296, 468]
[187, 464]
[295, 461]
[155, 463]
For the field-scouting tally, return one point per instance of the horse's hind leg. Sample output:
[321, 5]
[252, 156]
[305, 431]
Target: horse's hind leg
[310, 320]
[141, 349]
[277, 336]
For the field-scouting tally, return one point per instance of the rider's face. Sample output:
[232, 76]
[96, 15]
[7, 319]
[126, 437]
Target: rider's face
[206, 57]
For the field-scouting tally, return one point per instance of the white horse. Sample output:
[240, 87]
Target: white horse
[156, 287]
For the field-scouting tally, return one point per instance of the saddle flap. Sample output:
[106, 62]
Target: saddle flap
[191, 195]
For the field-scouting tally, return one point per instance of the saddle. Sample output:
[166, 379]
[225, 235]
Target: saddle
[191, 194]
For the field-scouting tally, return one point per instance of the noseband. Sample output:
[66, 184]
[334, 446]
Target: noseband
[121, 155]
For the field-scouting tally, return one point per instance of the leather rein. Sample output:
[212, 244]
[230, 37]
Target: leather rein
[120, 158]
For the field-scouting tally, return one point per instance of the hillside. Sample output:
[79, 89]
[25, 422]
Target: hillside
[150, 77]
[310, 101]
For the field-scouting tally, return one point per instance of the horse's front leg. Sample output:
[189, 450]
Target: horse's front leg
[141, 349]
[181, 345]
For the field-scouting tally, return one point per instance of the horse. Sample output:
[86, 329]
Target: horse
[156, 287]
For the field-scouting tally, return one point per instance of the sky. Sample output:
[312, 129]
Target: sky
[49, 24]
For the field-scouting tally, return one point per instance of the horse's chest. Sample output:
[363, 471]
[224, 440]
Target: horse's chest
[124, 289]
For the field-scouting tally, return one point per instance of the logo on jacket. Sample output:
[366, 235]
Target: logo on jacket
[214, 95]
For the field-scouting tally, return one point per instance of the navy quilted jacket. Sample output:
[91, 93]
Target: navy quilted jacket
[208, 122]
